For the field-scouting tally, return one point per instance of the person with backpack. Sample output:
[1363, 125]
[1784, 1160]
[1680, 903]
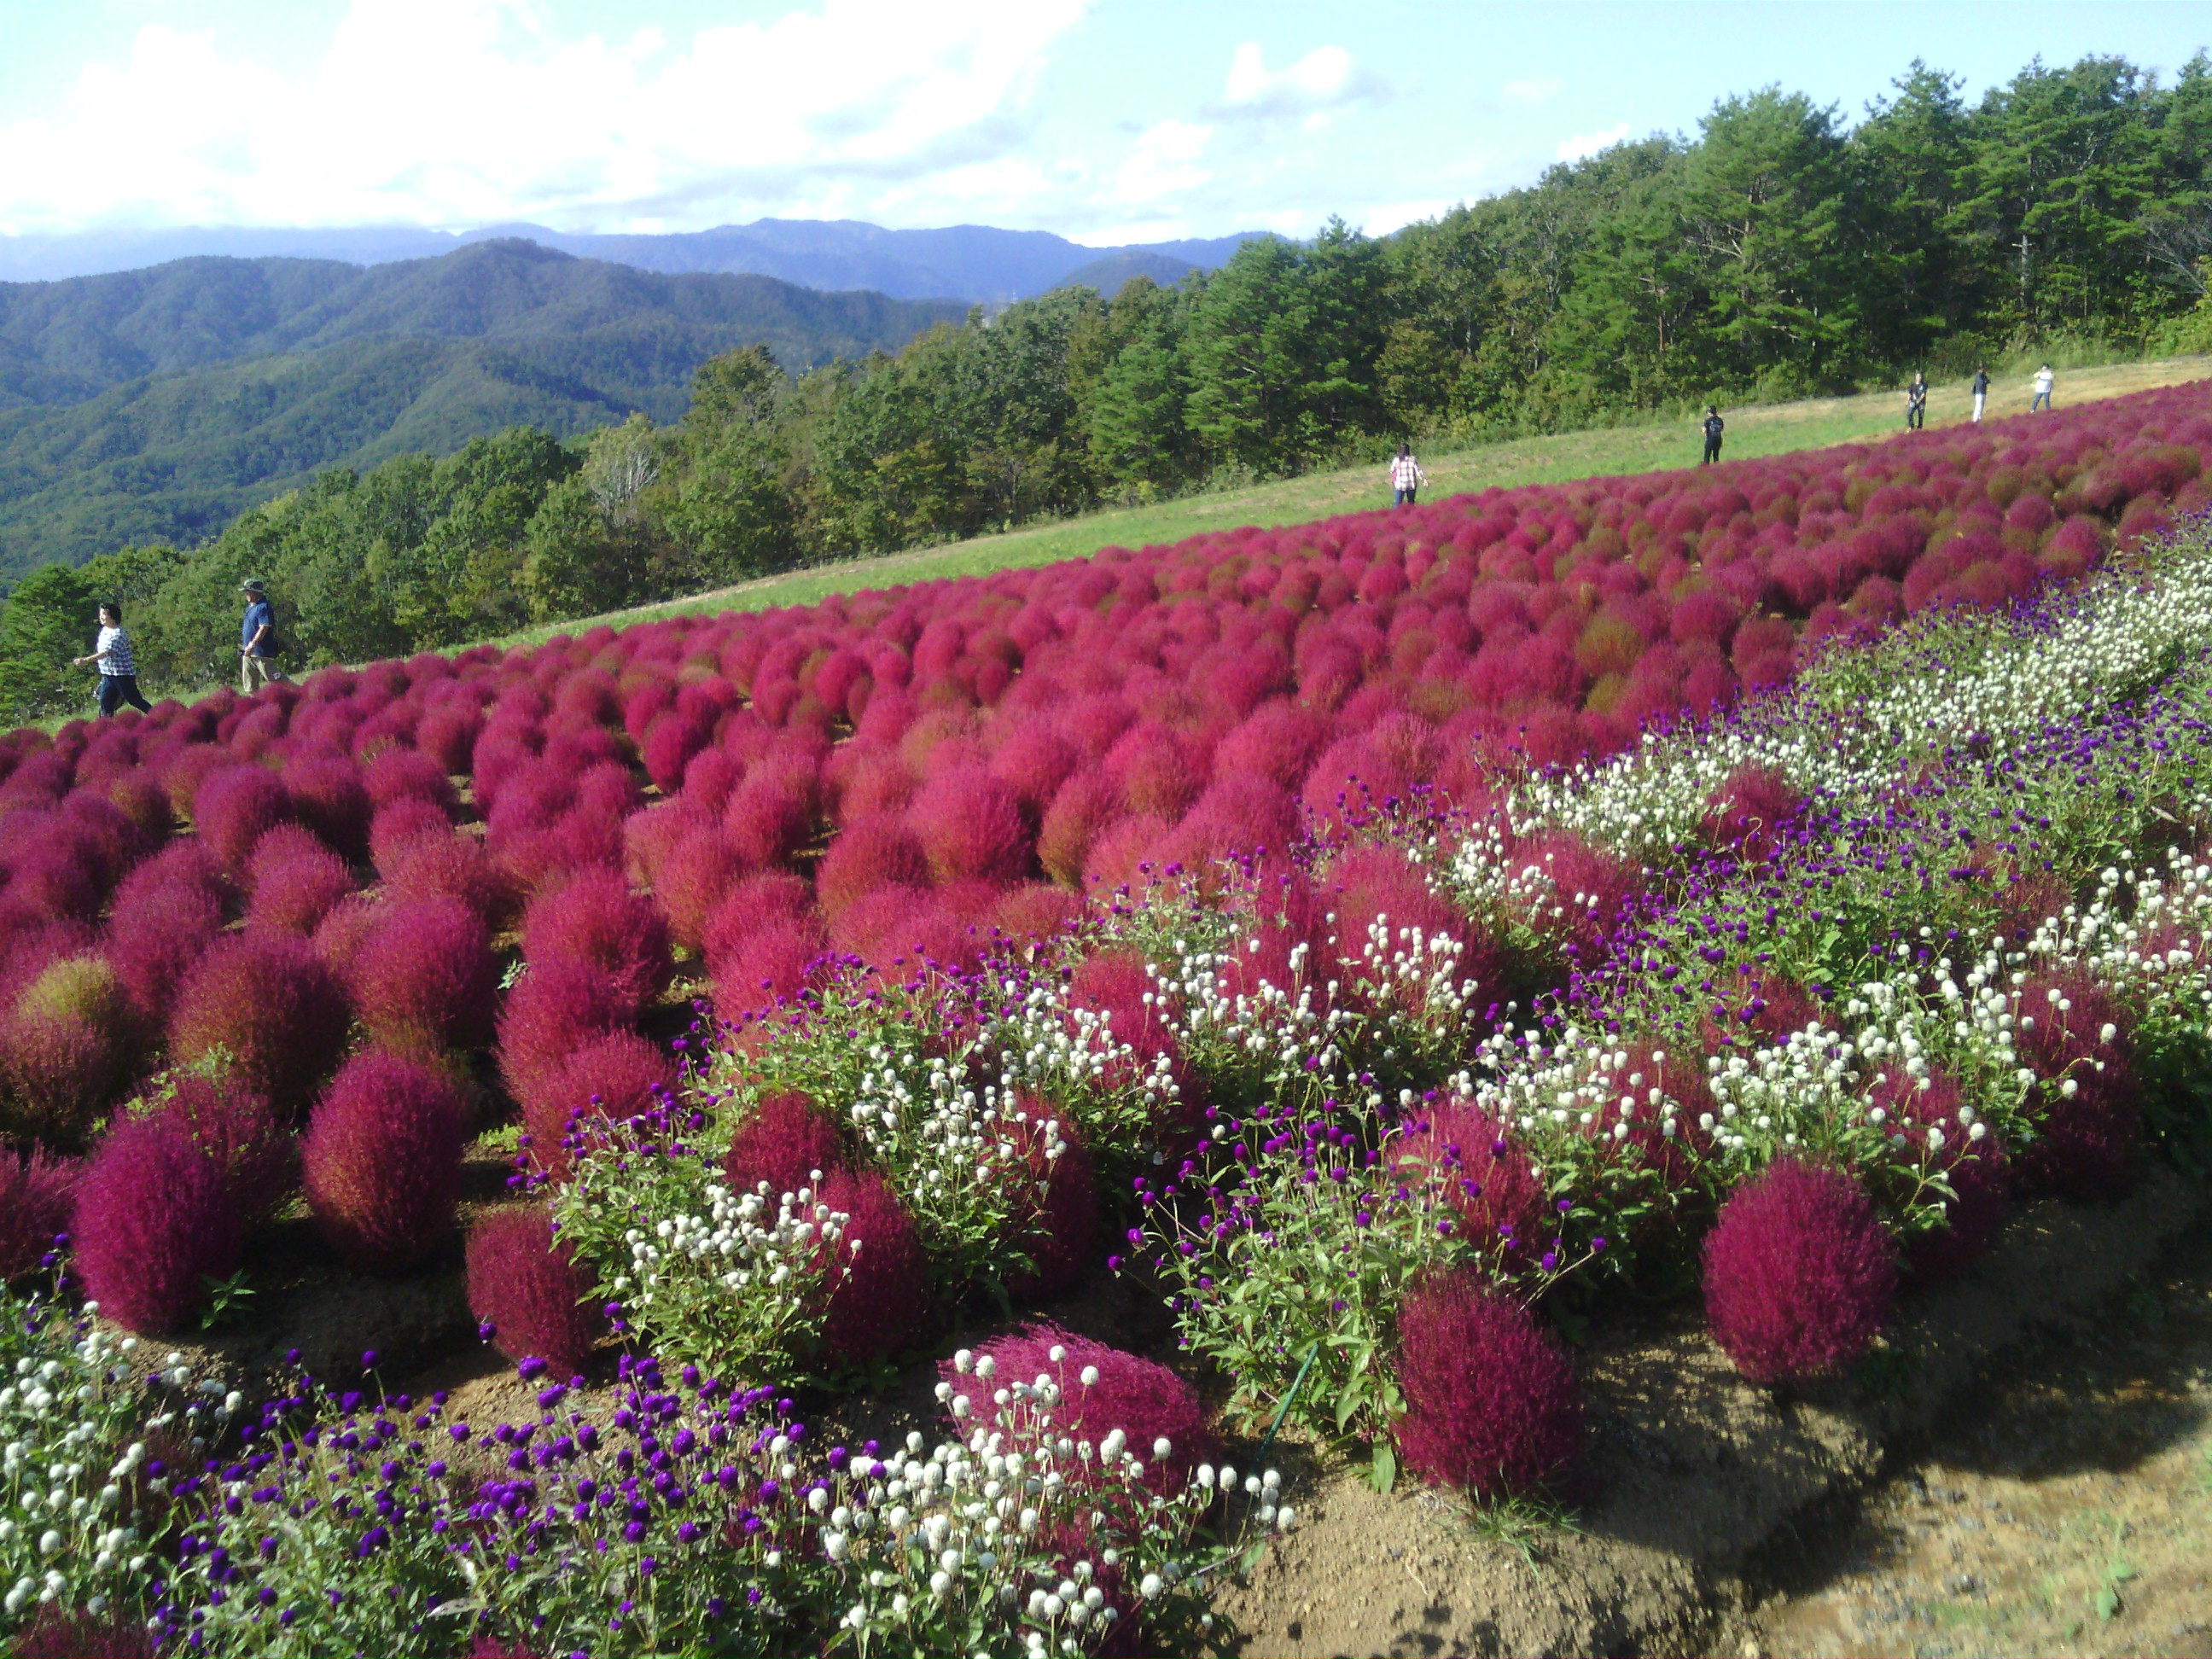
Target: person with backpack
[1981, 390]
[119, 674]
[1916, 402]
[257, 640]
[1714, 425]
[1406, 476]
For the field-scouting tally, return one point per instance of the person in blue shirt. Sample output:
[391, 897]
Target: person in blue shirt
[257, 640]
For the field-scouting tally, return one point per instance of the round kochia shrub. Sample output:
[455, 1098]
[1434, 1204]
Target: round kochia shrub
[234, 1129]
[424, 977]
[154, 1221]
[552, 1012]
[36, 1194]
[783, 1141]
[235, 808]
[616, 1075]
[879, 1296]
[1491, 1402]
[268, 1001]
[2073, 1034]
[1101, 1389]
[524, 1284]
[382, 1160]
[595, 918]
[1799, 1274]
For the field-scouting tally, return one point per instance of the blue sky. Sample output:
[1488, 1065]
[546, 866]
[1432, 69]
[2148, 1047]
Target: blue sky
[1108, 121]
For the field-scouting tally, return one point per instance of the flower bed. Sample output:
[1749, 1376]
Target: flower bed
[1369, 1045]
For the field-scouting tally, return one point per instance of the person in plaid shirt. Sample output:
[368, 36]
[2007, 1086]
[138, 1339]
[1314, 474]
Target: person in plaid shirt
[1406, 476]
[119, 674]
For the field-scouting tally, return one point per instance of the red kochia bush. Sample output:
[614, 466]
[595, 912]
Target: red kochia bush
[524, 1285]
[59, 1632]
[970, 825]
[1491, 1402]
[879, 1302]
[553, 1011]
[424, 977]
[234, 1129]
[1143, 1399]
[293, 893]
[269, 1001]
[382, 1162]
[235, 808]
[451, 866]
[1055, 1219]
[36, 1194]
[783, 1141]
[1746, 811]
[612, 1076]
[1799, 1274]
[1493, 1189]
[595, 918]
[1976, 1170]
[154, 1222]
[331, 798]
[2073, 1032]
[870, 853]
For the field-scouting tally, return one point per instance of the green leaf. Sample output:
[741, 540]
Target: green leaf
[1384, 1473]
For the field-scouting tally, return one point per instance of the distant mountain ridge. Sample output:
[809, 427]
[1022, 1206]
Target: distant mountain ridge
[157, 404]
[973, 263]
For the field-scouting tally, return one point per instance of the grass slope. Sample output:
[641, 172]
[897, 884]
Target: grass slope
[1642, 447]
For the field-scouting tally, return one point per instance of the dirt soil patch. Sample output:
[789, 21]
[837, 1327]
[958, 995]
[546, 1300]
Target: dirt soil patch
[2066, 1509]
[1696, 1480]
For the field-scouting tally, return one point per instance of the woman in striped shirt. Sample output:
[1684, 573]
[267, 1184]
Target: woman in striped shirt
[119, 674]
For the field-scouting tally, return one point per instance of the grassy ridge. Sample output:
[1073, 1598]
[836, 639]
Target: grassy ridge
[1648, 445]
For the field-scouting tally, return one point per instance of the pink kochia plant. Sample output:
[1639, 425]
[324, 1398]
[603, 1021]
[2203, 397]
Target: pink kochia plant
[1491, 1402]
[424, 977]
[154, 1222]
[1101, 1389]
[529, 1297]
[36, 1192]
[783, 1140]
[1799, 1274]
[269, 1001]
[880, 1302]
[382, 1159]
[595, 918]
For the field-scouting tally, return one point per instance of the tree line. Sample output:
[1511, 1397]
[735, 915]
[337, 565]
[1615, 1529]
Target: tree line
[1779, 252]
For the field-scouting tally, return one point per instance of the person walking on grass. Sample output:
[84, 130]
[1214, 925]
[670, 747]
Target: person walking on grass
[2042, 399]
[1406, 476]
[1981, 390]
[257, 640]
[1916, 402]
[1714, 425]
[119, 674]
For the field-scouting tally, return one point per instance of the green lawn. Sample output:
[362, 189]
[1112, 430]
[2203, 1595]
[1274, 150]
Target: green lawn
[1642, 447]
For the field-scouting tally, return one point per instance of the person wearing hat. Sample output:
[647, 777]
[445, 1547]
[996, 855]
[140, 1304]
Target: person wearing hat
[257, 640]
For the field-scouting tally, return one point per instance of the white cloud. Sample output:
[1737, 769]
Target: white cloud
[461, 112]
[1324, 80]
[1537, 89]
[1588, 143]
[1163, 165]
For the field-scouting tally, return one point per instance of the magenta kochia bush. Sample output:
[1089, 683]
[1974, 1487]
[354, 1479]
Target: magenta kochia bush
[616, 1075]
[235, 808]
[880, 1304]
[234, 1128]
[154, 1223]
[36, 1194]
[554, 1010]
[2073, 1034]
[783, 1140]
[527, 1293]
[595, 918]
[270, 1003]
[1799, 1274]
[382, 1161]
[1146, 1400]
[424, 977]
[1491, 1405]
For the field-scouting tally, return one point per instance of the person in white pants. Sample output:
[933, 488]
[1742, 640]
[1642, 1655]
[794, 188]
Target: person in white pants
[1981, 392]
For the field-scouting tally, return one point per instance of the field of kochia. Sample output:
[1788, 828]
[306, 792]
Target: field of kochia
[1378, 938]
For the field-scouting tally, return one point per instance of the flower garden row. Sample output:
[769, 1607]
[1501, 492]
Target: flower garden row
[1327, 1071]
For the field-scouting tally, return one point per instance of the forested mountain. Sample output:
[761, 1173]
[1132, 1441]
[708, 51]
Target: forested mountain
[157, 404]
[1778, 253]
[973, 262]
